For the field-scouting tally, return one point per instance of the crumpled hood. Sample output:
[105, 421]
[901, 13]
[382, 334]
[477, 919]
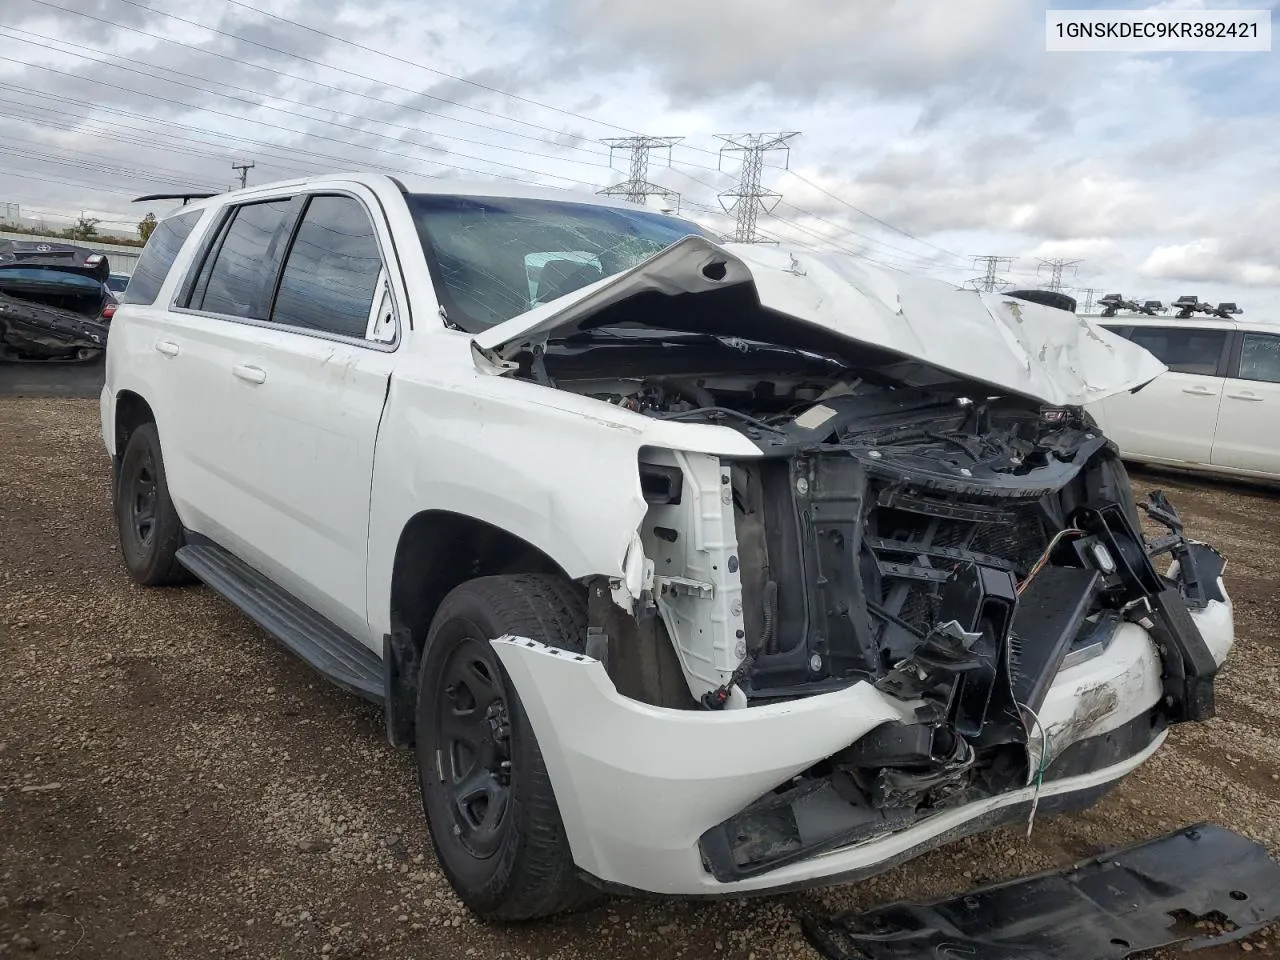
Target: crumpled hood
[1011, 345]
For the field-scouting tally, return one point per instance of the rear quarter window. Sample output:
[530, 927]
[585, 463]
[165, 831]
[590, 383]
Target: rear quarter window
[1184, 349]
[157, 257]
[1260, 358]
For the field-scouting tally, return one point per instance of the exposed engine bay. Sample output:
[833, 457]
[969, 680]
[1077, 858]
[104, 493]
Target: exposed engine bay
[955, 550]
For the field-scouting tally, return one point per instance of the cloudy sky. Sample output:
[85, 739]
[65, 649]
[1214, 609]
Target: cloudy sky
[929, 131]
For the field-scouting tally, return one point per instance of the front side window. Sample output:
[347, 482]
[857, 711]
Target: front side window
[158, 256]
[493, 258]
[238, 277]
[1183, 349]
[1260, 357]
[332, 271]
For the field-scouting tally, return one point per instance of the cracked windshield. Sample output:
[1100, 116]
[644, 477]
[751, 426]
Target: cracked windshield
[493, 258]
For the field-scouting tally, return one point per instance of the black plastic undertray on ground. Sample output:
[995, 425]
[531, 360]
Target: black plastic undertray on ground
[1135, 898]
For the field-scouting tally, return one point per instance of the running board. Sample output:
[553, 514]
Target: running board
[330, 650]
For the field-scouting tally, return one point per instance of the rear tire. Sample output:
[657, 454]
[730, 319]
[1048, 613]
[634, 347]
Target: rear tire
[490, 807]
[150, 531]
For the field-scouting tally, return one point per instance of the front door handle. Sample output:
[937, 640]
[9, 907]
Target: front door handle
[167, 347]
[1247, 395]
[1198, 391]
[250, 373]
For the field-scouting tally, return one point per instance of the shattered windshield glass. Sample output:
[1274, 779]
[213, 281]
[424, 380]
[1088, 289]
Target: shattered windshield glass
[493, 258]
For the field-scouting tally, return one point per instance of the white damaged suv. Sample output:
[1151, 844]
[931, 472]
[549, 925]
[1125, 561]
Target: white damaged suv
[687, 568]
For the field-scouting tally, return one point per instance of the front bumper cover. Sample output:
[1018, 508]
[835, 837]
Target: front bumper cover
[1106, 907]
[639, 785]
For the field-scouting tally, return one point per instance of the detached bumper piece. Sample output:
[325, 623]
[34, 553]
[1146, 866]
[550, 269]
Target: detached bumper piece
[34, 332]
[1137, 898]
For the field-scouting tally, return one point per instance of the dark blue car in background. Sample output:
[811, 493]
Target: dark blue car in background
[55, 301]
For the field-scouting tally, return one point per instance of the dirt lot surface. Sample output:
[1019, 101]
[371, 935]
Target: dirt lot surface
[174, 784]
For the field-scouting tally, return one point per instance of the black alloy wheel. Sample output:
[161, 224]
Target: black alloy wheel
[490, 805]
[474, 745]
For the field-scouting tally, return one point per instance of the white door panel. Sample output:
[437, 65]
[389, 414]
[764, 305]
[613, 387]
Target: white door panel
[304, 403]
[1171, 418]
[1248, 436]
[304, 416]
[186, 362]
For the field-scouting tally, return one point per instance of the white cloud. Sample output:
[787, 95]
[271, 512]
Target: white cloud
[1085, 248]
[1206, 259]
[702, 47]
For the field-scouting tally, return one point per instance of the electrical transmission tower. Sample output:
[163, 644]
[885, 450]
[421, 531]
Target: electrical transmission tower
[749, 198]
[637, 187]
[1056, 265]
[242, 167]
[988, 282]
[1088, 297]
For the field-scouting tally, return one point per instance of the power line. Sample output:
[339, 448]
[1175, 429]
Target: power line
[441, 73]
[321, 63]
[824, 239]
[884, 223]
[150, 73]
[831, 243]
[925, 261]
[750, 198]
[637, 186]
[381, 101]
[158, 172]
[71, 183]
[1056, 265]
[930, 261]
[989, 281]
[556, 144]
[114, 130]
[243, 167]
[240, 140]
[420, 66]
[303, 133]
[346, 141]
[107, 169]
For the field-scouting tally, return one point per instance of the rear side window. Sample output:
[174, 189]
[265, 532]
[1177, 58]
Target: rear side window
[158, 256]
[238, 276]
[331, 275]
[1260, 358]
[1183, 349]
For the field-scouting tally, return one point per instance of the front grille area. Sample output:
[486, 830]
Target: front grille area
[915, 543]
[1018, 536]
[867, 562]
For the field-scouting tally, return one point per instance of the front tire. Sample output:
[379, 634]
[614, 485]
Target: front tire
[490, 807]
[150, 531]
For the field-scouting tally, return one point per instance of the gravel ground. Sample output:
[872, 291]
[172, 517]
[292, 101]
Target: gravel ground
[173, 784]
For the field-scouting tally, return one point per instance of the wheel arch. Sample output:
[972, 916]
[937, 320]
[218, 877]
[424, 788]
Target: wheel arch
[131, 412]
[438, 550]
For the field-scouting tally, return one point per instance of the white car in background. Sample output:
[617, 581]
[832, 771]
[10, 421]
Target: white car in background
[1217, 410]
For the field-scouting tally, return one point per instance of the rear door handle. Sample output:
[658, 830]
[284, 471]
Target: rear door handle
[1247, 395]
[168, 348]
[1198, 391]
[250, 373]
